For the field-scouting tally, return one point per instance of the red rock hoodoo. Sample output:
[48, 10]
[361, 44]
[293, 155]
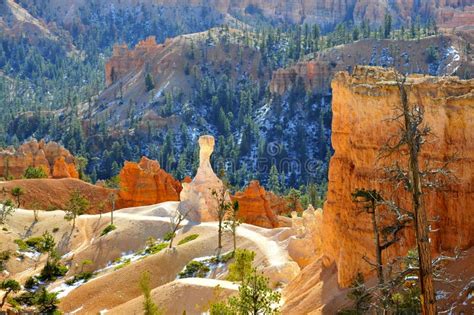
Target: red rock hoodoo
[56, 161]
[362, 103]
[255, 206]
[146, 183]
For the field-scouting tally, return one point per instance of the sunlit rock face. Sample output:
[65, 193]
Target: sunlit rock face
[197, 200]
[55, 160]
[305, 246]
[362, 105]
[255, 207]
[146, 183]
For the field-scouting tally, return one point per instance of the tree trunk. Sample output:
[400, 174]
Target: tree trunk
[378, 250]
[219, 245]
[4, 299]
[235, 239]
[112, 213]
[428, 299]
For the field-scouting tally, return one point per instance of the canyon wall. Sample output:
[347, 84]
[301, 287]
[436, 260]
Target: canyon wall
[327, 13]
[316, 74]
[55, 160]
[362, 103]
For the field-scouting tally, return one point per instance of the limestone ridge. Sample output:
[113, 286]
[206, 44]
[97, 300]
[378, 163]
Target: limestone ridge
[197, 201]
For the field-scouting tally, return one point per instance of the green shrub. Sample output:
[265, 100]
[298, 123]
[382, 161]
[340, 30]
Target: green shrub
[125, 263]
[52, 270]
[194, 269]
[55, 230]
[168, 236]
[22, 246]
[109, 228]
[31, 283]
[242, 266]
[188, 238]
[222, 259]
[35, 242]
[85, 275]
[4, 257]
[34, 172]
[155, 248]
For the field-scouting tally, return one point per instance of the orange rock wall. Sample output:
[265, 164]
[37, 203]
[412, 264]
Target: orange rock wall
[145, 183]
[255, 206]
[362, 103]
[56, 161]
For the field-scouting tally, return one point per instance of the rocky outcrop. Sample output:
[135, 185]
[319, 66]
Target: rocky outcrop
[315, 75]
[306, 245]
[54, 159]
[197, 200]
[124, 60]
[255, 207]
[146, 183]
[362, 103]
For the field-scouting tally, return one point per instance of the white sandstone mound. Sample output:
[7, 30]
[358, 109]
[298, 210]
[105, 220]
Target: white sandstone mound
[197, 201]
[305, 246]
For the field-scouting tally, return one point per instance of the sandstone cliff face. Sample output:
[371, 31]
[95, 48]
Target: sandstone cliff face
[255, 206]
[146, 183]
[362, 102]
[55, 160]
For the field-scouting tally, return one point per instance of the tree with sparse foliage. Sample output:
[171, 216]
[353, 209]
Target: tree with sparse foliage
[17, 192]
[255, 296]
[175, 223]
[360, 295]
[46, 301]
[242, 265]
[76, 206]
[223, 208]
[149, 307]
[408, 142]
[6, 210]
[232, 222]
[8, 286]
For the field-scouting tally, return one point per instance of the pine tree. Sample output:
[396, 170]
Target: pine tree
[149, 83]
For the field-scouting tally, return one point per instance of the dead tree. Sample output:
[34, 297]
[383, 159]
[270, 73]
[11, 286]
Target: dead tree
[175, 223]
[223, 208]
[406, 146]
[386, 232]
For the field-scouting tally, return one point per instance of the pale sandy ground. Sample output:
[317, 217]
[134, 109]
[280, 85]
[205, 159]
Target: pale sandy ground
[191, 294]
[134, 226]
[313, 291]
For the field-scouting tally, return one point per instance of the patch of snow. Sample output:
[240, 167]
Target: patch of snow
[34, 255]
[76, 310]
[160, 91]
[64, 289]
